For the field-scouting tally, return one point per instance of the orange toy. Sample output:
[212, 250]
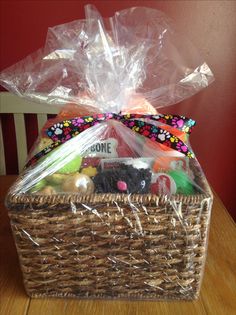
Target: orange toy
[163, 164]
[139, 105]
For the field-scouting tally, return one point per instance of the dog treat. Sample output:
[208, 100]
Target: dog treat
[56, 179]
[47, 190]
[43, 143]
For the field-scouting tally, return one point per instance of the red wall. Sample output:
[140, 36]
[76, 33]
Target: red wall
[210, 25]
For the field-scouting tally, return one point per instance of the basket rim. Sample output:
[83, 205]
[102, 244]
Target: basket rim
[62, 198]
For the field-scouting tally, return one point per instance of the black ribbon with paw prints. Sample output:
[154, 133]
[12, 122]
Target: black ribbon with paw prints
[67, 129]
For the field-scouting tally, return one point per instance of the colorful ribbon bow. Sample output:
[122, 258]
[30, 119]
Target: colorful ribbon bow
[67, 129]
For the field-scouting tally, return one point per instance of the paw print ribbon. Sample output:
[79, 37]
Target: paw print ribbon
[67, 129]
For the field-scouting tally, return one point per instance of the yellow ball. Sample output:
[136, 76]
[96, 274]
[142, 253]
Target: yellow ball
[90, 171]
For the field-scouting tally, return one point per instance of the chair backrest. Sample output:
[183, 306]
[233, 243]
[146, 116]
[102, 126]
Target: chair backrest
[11, 104]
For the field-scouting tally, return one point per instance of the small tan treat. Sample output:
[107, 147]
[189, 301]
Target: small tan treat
[44, 142]
[78, 183]
[47, 190]
[56, 179]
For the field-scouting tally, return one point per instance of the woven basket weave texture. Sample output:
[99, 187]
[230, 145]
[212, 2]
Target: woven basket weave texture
[111, 246]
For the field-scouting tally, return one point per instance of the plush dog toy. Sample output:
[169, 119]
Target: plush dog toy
[124, 179]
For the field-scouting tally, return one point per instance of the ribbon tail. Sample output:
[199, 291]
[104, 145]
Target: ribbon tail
[181, 123]
[67, 129]
[159, 135]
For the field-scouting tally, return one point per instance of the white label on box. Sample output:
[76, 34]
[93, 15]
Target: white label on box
[103, 149]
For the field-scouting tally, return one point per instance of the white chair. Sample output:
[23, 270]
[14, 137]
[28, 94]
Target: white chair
[11, 104]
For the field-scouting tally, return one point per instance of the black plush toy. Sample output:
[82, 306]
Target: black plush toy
[125, 179]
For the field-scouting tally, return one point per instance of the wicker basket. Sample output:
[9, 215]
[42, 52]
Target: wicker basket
[112, 246]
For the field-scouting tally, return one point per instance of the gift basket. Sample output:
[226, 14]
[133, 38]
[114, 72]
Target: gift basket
[112, 202]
